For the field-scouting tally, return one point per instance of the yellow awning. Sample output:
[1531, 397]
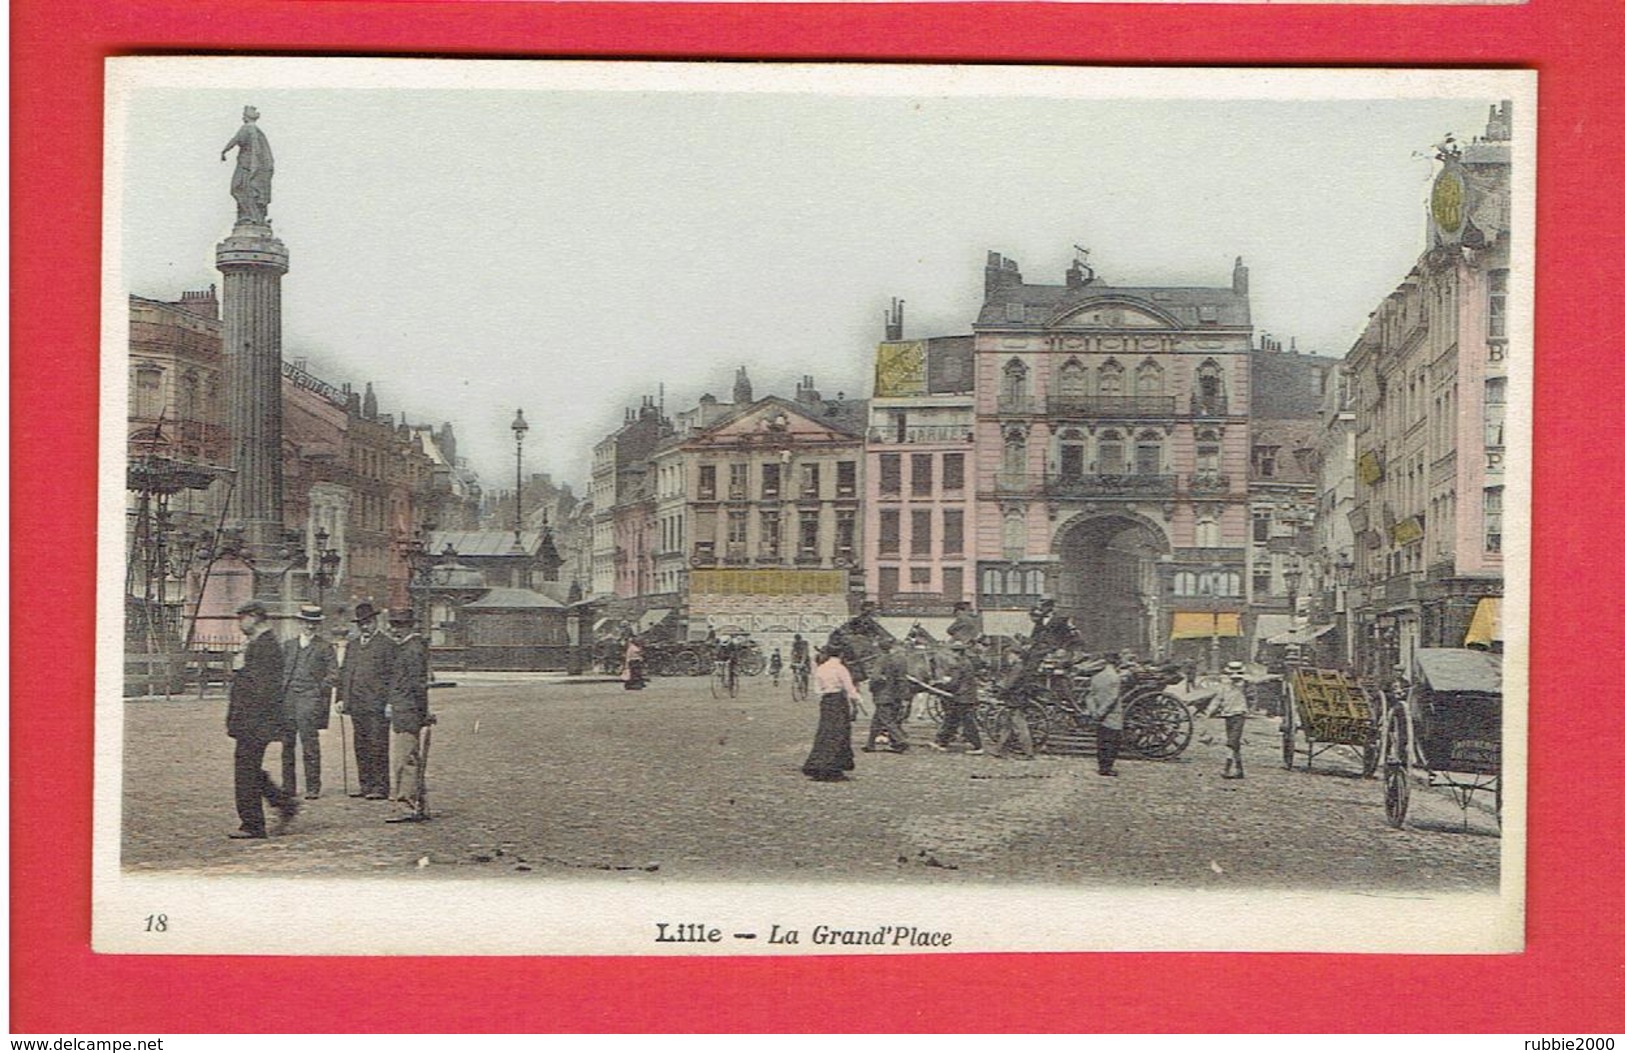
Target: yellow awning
[1486, 626]
[1202, 625]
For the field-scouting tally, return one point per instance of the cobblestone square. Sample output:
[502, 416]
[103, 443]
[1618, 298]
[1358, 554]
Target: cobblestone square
[535, 777]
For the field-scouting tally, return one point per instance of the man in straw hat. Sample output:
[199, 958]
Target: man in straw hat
[364, 685]
[1231, 704]
[255, 718]
[309, 671]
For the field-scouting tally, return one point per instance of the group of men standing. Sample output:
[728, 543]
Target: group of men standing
[280, 693]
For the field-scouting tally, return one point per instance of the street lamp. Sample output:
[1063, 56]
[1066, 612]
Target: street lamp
[327, 564]
[519, 428]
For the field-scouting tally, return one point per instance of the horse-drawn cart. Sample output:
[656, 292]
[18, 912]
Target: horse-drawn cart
[1448, 725]
[1330, 709]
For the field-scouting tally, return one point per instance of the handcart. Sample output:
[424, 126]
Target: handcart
[1449, 726]
[1329, 709]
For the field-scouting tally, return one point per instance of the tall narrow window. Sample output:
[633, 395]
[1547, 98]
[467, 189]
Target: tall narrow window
[1111, 378]
[953, 472]
[1492, 518]
[1013, 386]
[1148, 379]
[708, 482]
[953, 583]
[888, 582]
[891, 532]
[1498, 305]
[1015, 534]
[919, 538]
[953, 532]
[738, 482]
[771, 473]
[846, 533]
[1073, 380]
[770, 535]
[1015, 456]
[149, 399]
[1111, 457]
[1072, 454]
[1207, 532]
[809, 480]
[846, 478]
[809, 535]
[1148, 454]
[920, 474]
[1207, 454]
[891, 473]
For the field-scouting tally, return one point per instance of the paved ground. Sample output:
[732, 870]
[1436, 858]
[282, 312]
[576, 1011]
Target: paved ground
[534, 776]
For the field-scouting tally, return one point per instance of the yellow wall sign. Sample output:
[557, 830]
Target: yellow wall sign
[1370, 468]
[1449, 201]
[767, 582]
[900, 368]
[1407, 530]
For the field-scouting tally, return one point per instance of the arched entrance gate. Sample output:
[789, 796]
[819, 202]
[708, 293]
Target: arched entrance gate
[1108, 580]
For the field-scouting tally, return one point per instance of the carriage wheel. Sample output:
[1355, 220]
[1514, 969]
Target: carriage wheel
[1396, 776]
[751, 663]
[1498, 802]
[1157, 726]
[689, 663]
[1289, 746]
[1037, 720]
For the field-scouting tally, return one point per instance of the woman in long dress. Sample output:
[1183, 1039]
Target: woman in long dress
[632, 666]
[831, 757]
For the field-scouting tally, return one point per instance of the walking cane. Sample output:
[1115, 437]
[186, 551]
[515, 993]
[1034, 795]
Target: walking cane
[344, 750]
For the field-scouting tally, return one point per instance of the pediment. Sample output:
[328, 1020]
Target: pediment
[1112, 314]
[775, 419]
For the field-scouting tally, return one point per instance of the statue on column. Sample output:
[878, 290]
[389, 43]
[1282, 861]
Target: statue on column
[251, 182]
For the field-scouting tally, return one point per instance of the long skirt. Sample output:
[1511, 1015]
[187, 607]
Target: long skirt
[832, 746]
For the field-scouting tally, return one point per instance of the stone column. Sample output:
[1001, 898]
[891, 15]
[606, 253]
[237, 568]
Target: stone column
[253, 262]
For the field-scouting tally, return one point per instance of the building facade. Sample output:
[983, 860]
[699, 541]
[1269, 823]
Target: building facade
[1429, 379]
[919, 554]
[1112, 447]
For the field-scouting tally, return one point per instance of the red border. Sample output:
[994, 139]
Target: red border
[1569, 979]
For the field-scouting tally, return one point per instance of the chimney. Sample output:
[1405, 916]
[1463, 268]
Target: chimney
[806, 394]
[999, 273]
[201, 302]
[1238, 278]
[894, 320]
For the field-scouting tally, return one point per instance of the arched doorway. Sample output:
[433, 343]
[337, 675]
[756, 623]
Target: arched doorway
[1108, 580]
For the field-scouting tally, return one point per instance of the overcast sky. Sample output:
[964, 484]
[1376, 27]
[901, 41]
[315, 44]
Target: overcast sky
[471, 252]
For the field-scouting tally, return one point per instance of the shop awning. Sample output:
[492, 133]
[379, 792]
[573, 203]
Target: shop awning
[652, 617]
[1303, 635]
[1203, 625]
[1486, 626]
[1267, 626]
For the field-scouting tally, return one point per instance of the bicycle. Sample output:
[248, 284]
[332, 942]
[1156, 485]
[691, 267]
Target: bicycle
[800, 681]
[724, 679]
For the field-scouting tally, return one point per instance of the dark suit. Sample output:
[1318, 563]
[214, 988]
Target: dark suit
[308, 675]
[959, 680]
[255, 717]
[409, 708]
[364, 686]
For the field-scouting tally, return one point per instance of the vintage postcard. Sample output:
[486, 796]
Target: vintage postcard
[752, 509]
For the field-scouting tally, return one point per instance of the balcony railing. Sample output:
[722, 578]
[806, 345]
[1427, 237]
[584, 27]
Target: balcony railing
[1111, 405]
[923, 433]
[1093, 485]
[1020, 405]
[1210, 406]
[1207, 483]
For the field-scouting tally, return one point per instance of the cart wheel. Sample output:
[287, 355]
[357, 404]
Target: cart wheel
[1289, 748]
[690, 663]
[1396, 776]
[751, 663]
[1498, 802]
[1157, 726]
[1370, 757]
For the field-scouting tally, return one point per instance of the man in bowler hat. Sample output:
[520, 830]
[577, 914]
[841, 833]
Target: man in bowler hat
[364, 685]
[309, 671]
[408, 708]
[255, 717]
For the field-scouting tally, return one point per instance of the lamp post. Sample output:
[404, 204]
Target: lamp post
[519, 428]
[327, 565]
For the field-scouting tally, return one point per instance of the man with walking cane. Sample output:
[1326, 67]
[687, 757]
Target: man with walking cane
[409, 716]
[364, 685]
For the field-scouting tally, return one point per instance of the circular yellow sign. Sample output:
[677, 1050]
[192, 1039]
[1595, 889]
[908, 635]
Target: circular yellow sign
[1449, 200]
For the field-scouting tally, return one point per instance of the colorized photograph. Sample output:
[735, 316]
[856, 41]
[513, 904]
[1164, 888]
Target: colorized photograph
[744, 509]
